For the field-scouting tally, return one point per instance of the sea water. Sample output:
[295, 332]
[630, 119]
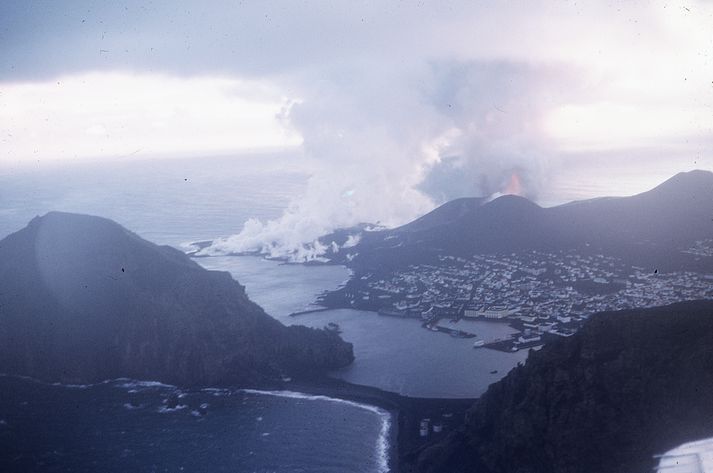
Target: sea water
[391, 353]
[125, 425]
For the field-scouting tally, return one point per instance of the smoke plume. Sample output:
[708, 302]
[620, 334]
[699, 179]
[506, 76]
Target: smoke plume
[391, 144]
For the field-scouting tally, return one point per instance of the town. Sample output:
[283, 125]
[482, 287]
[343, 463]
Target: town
[539, 294]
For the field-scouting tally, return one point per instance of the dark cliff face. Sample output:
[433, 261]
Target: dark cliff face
[83, 299]
[629, 385]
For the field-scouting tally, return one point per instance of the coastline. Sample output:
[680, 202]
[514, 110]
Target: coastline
[385, 439]
[405, 413]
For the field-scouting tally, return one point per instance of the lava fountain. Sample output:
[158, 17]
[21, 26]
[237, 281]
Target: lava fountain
[514, 186]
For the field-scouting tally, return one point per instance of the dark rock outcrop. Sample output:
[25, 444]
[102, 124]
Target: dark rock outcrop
[627, 386]
[82, 299]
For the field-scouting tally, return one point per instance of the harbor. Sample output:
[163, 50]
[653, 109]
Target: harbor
[541, 295]
[308, 311]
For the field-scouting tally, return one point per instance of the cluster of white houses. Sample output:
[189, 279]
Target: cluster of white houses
[701, 248]
[538, 291]
[495, 312]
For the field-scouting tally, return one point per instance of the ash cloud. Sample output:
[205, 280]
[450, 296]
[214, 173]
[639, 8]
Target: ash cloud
[390, 145]
[496, 109]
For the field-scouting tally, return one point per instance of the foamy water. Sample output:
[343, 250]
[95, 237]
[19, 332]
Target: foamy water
[382, 441]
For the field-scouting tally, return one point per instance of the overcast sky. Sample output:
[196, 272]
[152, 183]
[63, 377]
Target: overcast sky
[422, 101]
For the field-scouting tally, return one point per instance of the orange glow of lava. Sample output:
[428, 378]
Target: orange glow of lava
[514, 186]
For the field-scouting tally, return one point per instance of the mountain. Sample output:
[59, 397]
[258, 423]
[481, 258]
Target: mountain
[627, 386]
[446, 214]
[653, 226]
[82, 299]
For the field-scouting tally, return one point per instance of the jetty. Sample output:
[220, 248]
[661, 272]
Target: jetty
[309, 311]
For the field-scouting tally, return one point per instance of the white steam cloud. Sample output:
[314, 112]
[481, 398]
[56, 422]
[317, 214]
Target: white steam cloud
[383, 138]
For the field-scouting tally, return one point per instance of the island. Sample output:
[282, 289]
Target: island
[83, 299]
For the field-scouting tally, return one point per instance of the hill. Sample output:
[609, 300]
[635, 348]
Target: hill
[82, 299]
[627, 386]
[651, 227]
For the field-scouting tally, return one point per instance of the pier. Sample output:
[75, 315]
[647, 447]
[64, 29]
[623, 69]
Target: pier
[450, 331]
[309, 311]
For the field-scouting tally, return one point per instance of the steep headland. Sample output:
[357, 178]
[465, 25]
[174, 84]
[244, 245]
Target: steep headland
[627, 386]
[82, 299]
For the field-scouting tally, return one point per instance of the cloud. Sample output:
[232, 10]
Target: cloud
[379, 135]
[271, 38]
[371, 145]
[398, 106]
[95, 115]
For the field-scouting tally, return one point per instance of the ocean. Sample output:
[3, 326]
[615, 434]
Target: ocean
[126, 425]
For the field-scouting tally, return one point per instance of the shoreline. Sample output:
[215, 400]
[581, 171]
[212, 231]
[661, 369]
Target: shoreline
[387, 434]
[405, 413]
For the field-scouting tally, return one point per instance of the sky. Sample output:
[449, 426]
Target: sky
[394, 106]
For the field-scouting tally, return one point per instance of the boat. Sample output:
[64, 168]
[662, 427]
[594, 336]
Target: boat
[478, 343]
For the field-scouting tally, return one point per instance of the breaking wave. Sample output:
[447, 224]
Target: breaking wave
[382, 442]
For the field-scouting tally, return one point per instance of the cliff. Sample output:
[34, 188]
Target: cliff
[82, 299]
[627, 386]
